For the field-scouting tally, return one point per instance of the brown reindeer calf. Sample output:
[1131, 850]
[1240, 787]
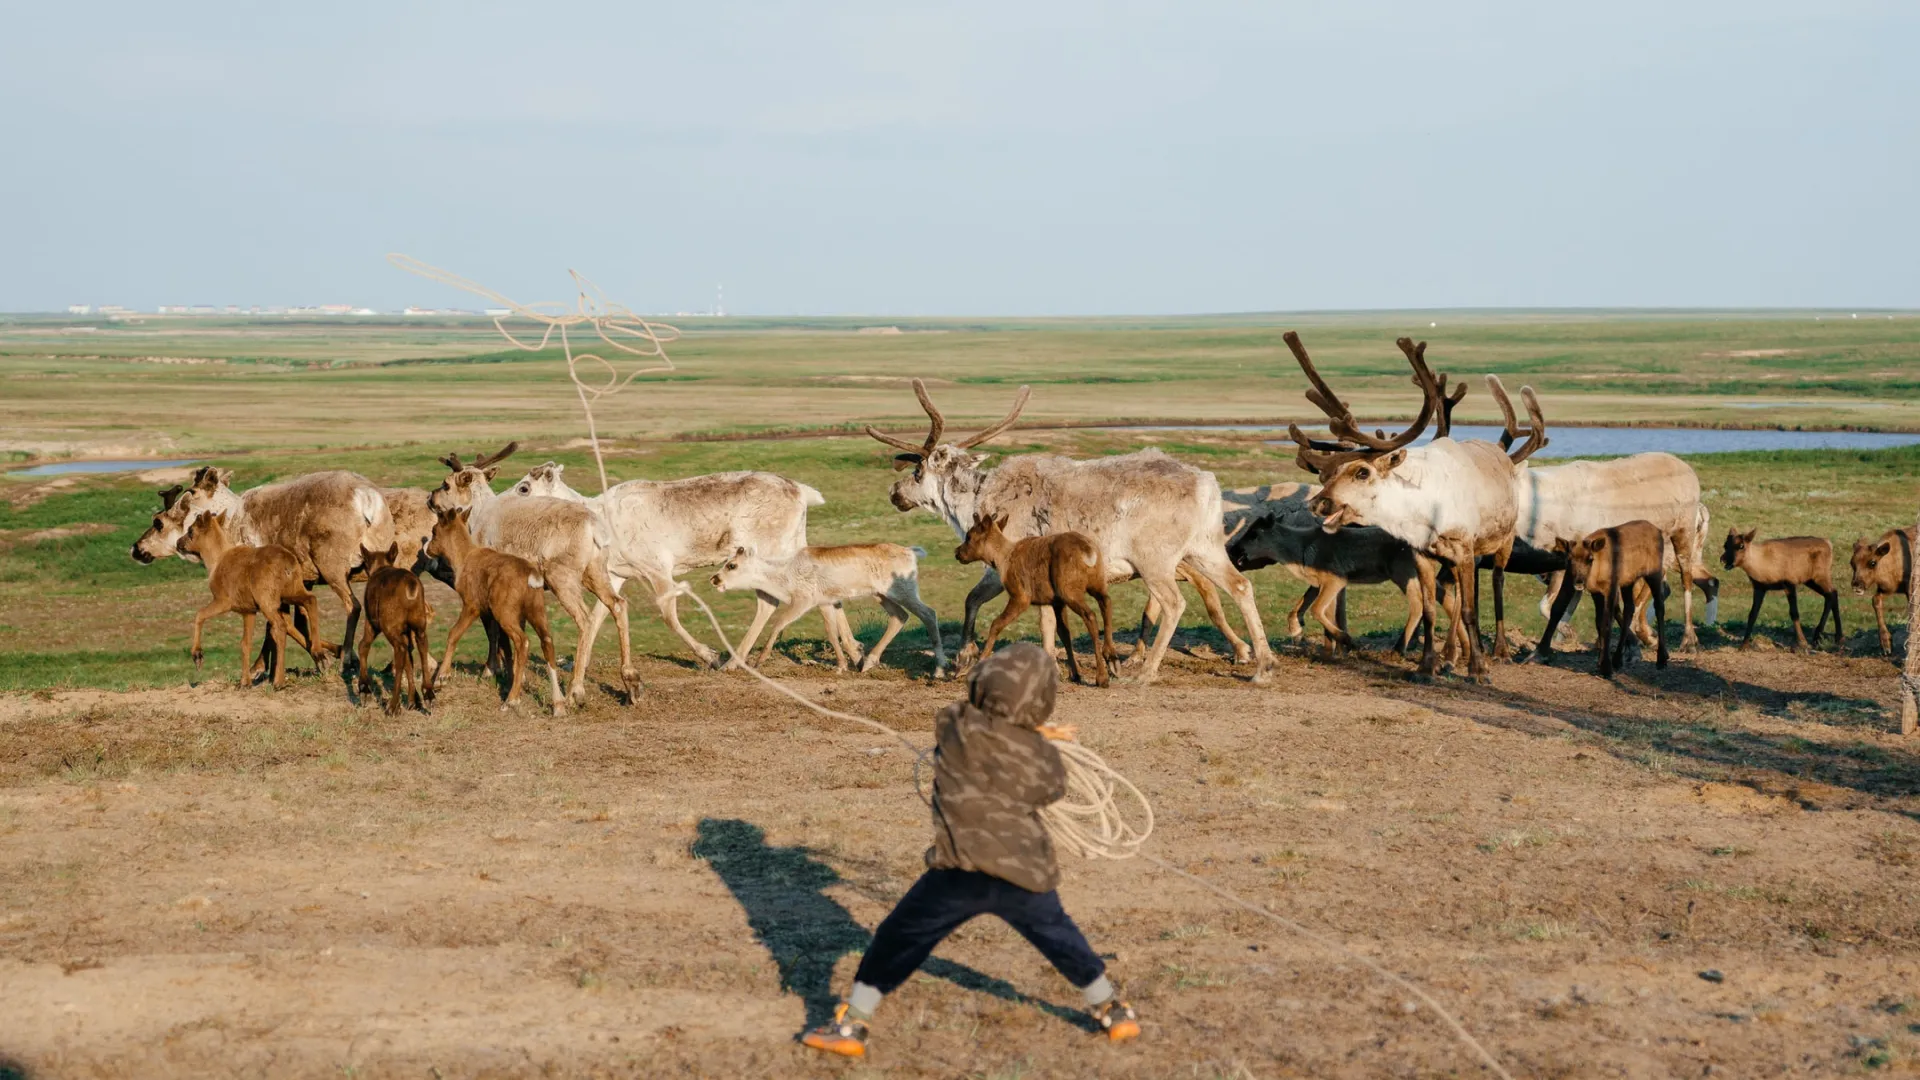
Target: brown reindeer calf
[1613, 564]
[1885, 568]
[1786, 563]
[396, 608]
[250, 581]
[1059, 570]
[506, 587]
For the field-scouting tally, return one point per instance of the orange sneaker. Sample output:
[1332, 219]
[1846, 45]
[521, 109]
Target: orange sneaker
[1116, 1018]
[842, 1036]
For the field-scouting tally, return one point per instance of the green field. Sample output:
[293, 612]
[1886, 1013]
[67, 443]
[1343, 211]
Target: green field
[387, 399]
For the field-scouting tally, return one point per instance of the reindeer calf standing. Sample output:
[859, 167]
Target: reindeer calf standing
[1059, 570]
[822, 577]
[1613, 564]
[1786, 563]
[506, 587]
[1885, 568]
[250, 581]
[396, 608]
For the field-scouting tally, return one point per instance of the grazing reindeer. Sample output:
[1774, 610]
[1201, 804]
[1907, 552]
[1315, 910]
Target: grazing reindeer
[823, 577]
[662, 528]
[328, 520]
[1611, 564]
[396, 609]
[249, 580]
[1150, 516]
[1450, 501]
[1059, 570]
[1786, 563]
[506, 587]
[565, 541]
[1882, 569]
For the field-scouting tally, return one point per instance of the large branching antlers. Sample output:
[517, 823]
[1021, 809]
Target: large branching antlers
[1351, 443]
[913, 455]
[452, 461]
[1535, 435]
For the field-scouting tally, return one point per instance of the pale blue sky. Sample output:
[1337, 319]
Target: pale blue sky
[887, 158]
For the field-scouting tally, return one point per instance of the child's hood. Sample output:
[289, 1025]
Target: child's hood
[1015, 685]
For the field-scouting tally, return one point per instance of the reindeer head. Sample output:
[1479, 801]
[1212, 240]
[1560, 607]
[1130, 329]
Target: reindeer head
[1868, 558]
[206, 536]
[940, 470]
[984, 540]
[446, 524]
[544, 480]
[465, 484]
[738, 570]
[1736, 547]
[178, 508]
[1354, 466]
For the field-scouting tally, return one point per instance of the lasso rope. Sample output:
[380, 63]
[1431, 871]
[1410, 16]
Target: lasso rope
[615, 324]
[1089, 823]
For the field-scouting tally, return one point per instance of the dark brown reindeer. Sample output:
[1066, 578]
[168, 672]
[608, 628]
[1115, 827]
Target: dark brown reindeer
[397, 609]
[492, 582]
[1885, 568]
[250, 580]
[1786, 563]
[1059, 570]
[1613, 564]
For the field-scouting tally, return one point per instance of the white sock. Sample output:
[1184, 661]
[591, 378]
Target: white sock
[862, 1002]
[1098, 992]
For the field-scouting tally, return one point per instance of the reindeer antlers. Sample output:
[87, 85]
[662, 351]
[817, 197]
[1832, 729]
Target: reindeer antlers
[452, 460]
[1535, 433]
[1354, 444]
[939, 425]
[168, 496]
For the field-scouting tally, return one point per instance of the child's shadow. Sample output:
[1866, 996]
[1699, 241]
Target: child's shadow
[807, 931]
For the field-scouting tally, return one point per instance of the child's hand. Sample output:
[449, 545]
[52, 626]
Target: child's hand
[1059, 732]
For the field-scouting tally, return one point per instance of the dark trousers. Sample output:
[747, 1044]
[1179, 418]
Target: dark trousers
[943, 899]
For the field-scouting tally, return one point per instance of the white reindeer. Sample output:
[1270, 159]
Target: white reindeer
[659, 529]
[1153, 518]
[1451, 500]
[824, 577]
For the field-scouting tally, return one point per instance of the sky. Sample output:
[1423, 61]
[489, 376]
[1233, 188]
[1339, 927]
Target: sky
[1025, 158]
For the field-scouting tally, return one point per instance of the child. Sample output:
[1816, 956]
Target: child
[992, 772]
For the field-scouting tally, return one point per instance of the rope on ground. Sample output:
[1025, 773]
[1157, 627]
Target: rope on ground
[616, 325]
[1089, 823]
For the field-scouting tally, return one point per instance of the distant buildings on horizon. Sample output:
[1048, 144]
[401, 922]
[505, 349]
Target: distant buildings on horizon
[115, 311]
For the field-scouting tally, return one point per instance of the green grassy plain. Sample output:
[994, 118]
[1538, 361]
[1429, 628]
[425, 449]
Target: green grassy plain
[387, 400]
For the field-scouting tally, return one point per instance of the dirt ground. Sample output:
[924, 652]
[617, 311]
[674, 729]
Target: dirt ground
[1709, 870]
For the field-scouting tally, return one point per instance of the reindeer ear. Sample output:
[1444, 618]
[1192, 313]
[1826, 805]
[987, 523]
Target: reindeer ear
[1884, 549]
[1392, 461]
[906, 461]
[491, 471]
[1751, 533]
[169, 496]
[1597, 544]
[393, 552]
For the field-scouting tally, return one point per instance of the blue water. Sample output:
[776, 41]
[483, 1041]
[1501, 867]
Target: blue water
[1568, 442]
[60, 467]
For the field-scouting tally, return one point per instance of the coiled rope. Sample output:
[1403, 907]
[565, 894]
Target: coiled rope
[615, 324]
[1090, 823]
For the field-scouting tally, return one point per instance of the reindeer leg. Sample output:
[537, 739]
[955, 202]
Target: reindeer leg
[1326, 612]
[1759, 597]
[609, 595]
[783, 617]
[1501, 649]
[1210, 599]
[1793, 610]
[1427, 573]
[246, 649]
[1296, 628]
[1166, 591]
[827, 616]
[365, 682]
[468, 613]
[1016, 606]
[1660, 621]
[516, 637]
[1213, 562]
[1564, 599]
[988, 587]
[855, 655]
[667, 599]
[536, 617]
[566, 590]
[896, 618]
[1415, 607]
[277, 629]
[1880, 618]
[907, 595]
[1466, 576]
[1682, 541]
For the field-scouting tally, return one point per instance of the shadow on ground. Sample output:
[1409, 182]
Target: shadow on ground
[783, 891]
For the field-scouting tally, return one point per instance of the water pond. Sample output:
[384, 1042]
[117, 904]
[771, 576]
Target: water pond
[1575, 442]
[61, 468]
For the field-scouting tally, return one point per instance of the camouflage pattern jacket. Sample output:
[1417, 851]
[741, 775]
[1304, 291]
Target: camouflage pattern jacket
[992, 772]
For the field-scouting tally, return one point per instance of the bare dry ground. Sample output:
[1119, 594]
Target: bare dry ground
[211, 881]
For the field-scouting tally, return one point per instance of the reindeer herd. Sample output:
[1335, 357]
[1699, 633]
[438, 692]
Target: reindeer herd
[1053, 532]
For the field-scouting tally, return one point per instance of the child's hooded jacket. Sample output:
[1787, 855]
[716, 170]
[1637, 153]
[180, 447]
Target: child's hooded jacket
[992, 772]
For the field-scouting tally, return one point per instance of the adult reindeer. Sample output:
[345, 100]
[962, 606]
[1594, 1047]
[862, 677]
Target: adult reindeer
[329, 520]
[1450, 500]
[1151, 516]
[659, 529]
